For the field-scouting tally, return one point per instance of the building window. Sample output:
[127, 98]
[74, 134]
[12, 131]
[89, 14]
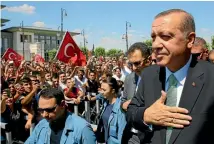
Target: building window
[53, 38]
[41, 37]
[36, 37]
[5, 43]
[53, 44]
[27, 38]
[48, 37]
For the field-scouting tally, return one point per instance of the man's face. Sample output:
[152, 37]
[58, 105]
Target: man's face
[80, 74]
[27, 87]
[55, 82]
[92, 76]
[98, 68]
[53, 112]
[169, 42]
[62, 78]
[68, 83]
[196, 49]
[48, 77]
[137, 61]
[12, 89]
[11, 72]
[114, 63]
[62, 66]
[118, 73]
[38, 68]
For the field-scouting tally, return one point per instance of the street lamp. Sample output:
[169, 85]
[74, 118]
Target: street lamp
[84, 39]
[63, 11]
[125, 36]
[23, 37]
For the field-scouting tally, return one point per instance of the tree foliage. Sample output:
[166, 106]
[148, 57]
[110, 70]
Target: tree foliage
[212, 42]
[99, 51]
[148, 43]
[52, 54]
[85, 51]
[113, 52]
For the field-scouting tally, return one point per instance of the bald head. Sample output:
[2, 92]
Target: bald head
[199, 45]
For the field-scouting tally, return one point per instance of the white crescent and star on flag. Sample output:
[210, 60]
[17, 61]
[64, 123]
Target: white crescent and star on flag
[66, 47]
[9, 56]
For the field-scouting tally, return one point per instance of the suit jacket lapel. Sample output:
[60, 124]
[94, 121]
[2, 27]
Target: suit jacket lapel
[159, 84]
[192, 88]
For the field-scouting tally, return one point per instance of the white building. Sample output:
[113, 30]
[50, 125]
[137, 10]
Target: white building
[36, 40]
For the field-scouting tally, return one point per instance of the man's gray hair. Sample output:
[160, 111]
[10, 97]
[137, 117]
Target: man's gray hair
[187, 24]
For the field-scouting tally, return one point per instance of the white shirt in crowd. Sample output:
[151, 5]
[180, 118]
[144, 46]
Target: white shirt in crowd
[62, 86]
[122, 78]
[79, 83]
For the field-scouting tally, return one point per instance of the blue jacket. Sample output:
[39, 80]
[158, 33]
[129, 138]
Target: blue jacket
[116, 124]
[76, 131]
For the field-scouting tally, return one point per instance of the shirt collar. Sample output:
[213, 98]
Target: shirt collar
[181, 73]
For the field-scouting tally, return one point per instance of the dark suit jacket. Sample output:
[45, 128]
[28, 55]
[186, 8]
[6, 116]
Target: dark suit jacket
[197, 97]
[130, 84]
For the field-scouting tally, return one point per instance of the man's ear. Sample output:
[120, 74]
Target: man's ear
[190, 39]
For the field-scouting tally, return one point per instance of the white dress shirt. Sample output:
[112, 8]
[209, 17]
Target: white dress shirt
[180, 76]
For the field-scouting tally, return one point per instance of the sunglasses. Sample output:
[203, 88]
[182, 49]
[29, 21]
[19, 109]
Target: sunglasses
[48, 110]
[138, 62]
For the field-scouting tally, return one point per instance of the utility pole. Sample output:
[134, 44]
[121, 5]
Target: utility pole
[84, 39]
[23, 38]
[128, 24]
[62, 12]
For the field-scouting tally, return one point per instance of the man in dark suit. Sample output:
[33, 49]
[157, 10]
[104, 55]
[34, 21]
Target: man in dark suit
[139, 58]
[174, 103]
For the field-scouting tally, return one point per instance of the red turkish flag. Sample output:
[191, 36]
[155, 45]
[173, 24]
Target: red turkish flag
[69, 51]
[12, 55]
[38, 58]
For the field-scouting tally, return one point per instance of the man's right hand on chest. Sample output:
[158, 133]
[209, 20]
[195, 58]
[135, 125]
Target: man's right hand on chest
[162, 115]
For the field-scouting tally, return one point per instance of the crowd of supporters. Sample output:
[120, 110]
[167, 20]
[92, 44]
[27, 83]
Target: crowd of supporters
[102, 79]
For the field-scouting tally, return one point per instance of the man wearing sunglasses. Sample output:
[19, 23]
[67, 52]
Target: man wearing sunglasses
[138, 56]
[59, 126]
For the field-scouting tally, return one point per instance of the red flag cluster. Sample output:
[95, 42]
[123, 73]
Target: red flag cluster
[70, 52]
[12, 55]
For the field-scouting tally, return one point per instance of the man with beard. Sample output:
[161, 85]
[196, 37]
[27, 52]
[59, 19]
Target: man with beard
[59, 125]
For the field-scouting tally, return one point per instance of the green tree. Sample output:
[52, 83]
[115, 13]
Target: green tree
[99, 51]
[148, 43]
[52, 54]
[85, 51]
[113, 52]
[208, 46]
[212, 42]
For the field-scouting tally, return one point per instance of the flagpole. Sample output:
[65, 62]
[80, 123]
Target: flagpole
[5, 52]
[60, 46]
